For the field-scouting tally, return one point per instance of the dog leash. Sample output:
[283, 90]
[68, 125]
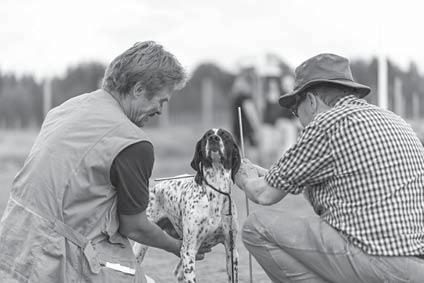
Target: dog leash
[183, 176]
[230, 213]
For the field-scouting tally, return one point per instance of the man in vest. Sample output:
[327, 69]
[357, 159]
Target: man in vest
[83, 189]
[362, 170]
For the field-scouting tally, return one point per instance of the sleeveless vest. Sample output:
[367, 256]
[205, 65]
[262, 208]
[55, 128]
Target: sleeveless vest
[61, 223]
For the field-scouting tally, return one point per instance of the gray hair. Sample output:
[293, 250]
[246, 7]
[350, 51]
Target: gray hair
[148, 63]
[330, 93]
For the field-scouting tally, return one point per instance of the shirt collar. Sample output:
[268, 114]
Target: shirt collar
[347, 100]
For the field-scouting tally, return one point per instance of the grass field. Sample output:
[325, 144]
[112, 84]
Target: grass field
[174, 148]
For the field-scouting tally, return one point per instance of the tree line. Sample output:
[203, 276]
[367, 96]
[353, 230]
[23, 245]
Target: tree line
[21, 97]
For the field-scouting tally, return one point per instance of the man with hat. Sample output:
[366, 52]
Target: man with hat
[362, 170]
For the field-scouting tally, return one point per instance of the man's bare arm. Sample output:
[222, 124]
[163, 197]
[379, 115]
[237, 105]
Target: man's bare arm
[138, 228]
[250, 179]
[260, 192]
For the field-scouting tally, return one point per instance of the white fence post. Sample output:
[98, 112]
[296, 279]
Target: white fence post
[47, 96]
[207, 102]
[382, 81]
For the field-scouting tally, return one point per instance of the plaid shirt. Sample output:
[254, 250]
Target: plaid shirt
[362, 169]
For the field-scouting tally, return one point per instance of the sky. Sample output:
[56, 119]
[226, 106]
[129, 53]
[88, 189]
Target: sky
[45, 37]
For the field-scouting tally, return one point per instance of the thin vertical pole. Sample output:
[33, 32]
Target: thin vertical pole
[399, 108]
[247, 200]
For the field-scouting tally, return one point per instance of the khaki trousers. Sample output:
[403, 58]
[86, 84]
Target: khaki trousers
[292, 248]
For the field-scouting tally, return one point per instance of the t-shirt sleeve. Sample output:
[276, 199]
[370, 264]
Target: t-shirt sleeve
[129, 174]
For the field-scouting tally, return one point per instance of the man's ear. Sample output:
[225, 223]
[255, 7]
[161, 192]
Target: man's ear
[138, 90]
[312, 101]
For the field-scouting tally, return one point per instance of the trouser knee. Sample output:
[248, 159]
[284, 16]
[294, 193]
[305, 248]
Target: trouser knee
[275, 226]
[250, 233]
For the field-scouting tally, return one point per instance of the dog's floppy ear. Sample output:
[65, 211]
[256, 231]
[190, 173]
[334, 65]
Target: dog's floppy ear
[196, 163]
[236, 160]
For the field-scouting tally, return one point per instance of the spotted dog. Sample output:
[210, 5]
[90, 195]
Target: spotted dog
[197, 212]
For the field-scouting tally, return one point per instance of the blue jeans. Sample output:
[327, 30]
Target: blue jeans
[291, 248]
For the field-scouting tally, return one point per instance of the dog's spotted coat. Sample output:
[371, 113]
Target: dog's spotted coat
[197, 212]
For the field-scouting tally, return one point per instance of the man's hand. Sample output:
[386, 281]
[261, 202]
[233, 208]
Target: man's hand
[246, 171]
[138, 228]
[201, 252]
[261, 171]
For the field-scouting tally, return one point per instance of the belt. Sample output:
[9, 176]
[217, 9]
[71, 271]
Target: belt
[420, 256]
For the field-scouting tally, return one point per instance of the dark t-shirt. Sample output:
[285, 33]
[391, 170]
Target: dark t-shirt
[129, 174]
[273, 111]
[247, 127]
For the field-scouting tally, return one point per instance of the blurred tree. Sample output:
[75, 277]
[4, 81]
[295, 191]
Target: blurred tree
[84, 77]
[366, 73]
[412, 83]
[21, 98]
[19, 101]
[188, 101]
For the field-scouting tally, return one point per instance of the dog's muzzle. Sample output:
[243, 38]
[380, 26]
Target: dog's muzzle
[214, 146]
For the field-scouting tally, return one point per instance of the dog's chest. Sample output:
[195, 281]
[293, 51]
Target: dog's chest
[194, 206]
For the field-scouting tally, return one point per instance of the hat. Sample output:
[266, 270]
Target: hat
[322, 68]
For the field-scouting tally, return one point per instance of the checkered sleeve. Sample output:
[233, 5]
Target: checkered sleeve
[307, 163]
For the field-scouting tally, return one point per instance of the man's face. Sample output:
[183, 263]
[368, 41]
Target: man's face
[304, 108]
[144, 105]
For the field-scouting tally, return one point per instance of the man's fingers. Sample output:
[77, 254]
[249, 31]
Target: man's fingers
[204, 250]
[200, 256]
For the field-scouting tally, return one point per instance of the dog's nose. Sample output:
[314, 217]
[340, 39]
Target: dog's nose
[214, 138]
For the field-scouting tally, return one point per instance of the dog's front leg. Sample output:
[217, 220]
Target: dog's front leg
[230, 243]
[188, 258]
[193, 237]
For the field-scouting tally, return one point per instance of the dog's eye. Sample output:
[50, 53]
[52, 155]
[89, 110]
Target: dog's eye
[208, 133]
[226, 136]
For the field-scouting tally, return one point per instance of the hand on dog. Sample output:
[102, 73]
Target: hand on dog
[201, 253]
[246, 171]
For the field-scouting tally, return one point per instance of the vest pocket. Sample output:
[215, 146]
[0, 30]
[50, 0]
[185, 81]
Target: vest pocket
[116, 257]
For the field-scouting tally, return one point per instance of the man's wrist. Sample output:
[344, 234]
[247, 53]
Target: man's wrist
[240, 182]
[175, 247]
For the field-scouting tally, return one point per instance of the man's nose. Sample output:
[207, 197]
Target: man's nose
[159, 109]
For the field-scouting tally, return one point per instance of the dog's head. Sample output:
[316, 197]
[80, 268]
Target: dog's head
[216, 146]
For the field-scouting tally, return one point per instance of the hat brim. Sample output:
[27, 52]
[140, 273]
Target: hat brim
[287, 100]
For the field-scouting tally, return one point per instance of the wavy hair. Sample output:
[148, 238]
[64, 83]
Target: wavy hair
[148, 63]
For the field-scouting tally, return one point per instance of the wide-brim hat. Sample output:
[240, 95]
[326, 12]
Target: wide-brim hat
[323, 68]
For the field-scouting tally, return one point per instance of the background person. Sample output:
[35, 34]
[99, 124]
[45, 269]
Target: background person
[242, 96]
[278, 131]
[83, 189]
[361, 168]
